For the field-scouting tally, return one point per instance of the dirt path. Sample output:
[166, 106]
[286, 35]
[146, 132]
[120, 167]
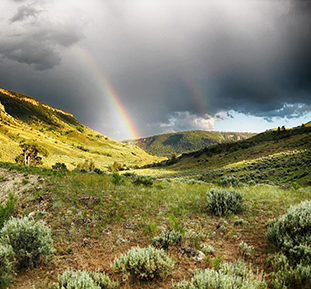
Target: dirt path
[16, 183]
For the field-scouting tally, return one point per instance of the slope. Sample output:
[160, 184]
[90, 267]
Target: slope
[181, 142]
[67, 140]
[272, 157]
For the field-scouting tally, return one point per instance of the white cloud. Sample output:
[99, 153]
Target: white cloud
[185, 120]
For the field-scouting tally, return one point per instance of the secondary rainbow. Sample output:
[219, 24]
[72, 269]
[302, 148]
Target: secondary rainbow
[109, 91]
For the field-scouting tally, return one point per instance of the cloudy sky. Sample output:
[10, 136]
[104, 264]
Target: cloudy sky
[143, 67]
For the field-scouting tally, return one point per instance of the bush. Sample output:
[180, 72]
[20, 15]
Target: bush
[228, 276]
[31, 241]
[229, 181]
[146, 181]
[7, 210]
[286, 275]
[84, 280]
[291, 236]
[117, 179]
[292, 229]
[6, 263]
[145, 263]
[246, 250]
[59, 166]
[223, 202]
[167, 239]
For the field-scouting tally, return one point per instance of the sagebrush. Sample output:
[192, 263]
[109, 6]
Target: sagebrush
[224, 201]
[31, 241]
[228, 276]
[145, 263]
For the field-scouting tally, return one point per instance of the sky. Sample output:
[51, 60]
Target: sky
[136, 68]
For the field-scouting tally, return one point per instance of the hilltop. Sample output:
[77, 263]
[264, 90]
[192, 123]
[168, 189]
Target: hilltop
[177, 143]
[67, 140]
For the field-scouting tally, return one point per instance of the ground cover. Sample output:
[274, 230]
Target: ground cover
[96, 218]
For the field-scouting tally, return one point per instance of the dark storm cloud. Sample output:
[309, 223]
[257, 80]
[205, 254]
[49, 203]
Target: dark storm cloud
[24, 12]
[174, 64]
[40, 47]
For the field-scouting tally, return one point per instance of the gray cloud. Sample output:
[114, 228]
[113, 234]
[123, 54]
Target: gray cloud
[24, 12]
[167, 60]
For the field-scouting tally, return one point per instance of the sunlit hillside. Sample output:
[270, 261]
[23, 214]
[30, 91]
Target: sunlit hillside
[272, 157]
[186, 141]
[67, 140]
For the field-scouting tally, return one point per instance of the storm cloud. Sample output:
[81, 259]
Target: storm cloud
[175, 65]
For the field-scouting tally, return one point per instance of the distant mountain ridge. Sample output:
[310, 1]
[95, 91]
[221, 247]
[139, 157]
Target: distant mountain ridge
[68, 141]
[186, 141]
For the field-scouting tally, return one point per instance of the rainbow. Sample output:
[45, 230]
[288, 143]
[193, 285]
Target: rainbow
[109, 91]
[199, 95]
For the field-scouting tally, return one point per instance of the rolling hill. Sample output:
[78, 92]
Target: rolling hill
[67, 140]
[272, 157]
[187, 141]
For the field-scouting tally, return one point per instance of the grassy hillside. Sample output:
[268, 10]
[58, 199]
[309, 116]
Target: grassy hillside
[67, 140]
[181, 142]
[271, 157]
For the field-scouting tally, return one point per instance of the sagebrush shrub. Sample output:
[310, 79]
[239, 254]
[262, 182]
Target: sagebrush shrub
[146, 181]
[292, 229]
[84, 280]
[245, 249]
[6, 263]
[224, 201]
[285, 274]
[229, 181]
[229, 276]
[291, 236]
[167, 239]
[31, 241]
[145, 263]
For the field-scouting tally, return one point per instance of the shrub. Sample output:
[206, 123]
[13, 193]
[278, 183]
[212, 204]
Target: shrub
[59, 166]
[7, 210]
[145, 263]
[146, 181]
[117, 179]
[228, 276]
[115, 167]
[286, 275]
[291, 236]
[167, 239]
[31, 241]
[292, 229]
[246, 250]
[6, 262]
[85, 280]
[223, 202]
[229, 181]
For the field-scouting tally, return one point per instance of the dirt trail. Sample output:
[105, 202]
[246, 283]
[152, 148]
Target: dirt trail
[16, 183]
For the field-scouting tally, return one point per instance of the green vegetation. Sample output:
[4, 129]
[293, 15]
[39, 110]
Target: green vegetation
[84, 280]
[6, 264]
[7, 210]
[104, 214]
[31, 241]
[94, 222]
[167, 239]
[58, 132]
[228, 276]
[187, 141]
[31, 149]
[224, 202]
[291, 237]
[145, 263]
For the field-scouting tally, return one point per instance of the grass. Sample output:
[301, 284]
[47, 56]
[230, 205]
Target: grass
[93, 220]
